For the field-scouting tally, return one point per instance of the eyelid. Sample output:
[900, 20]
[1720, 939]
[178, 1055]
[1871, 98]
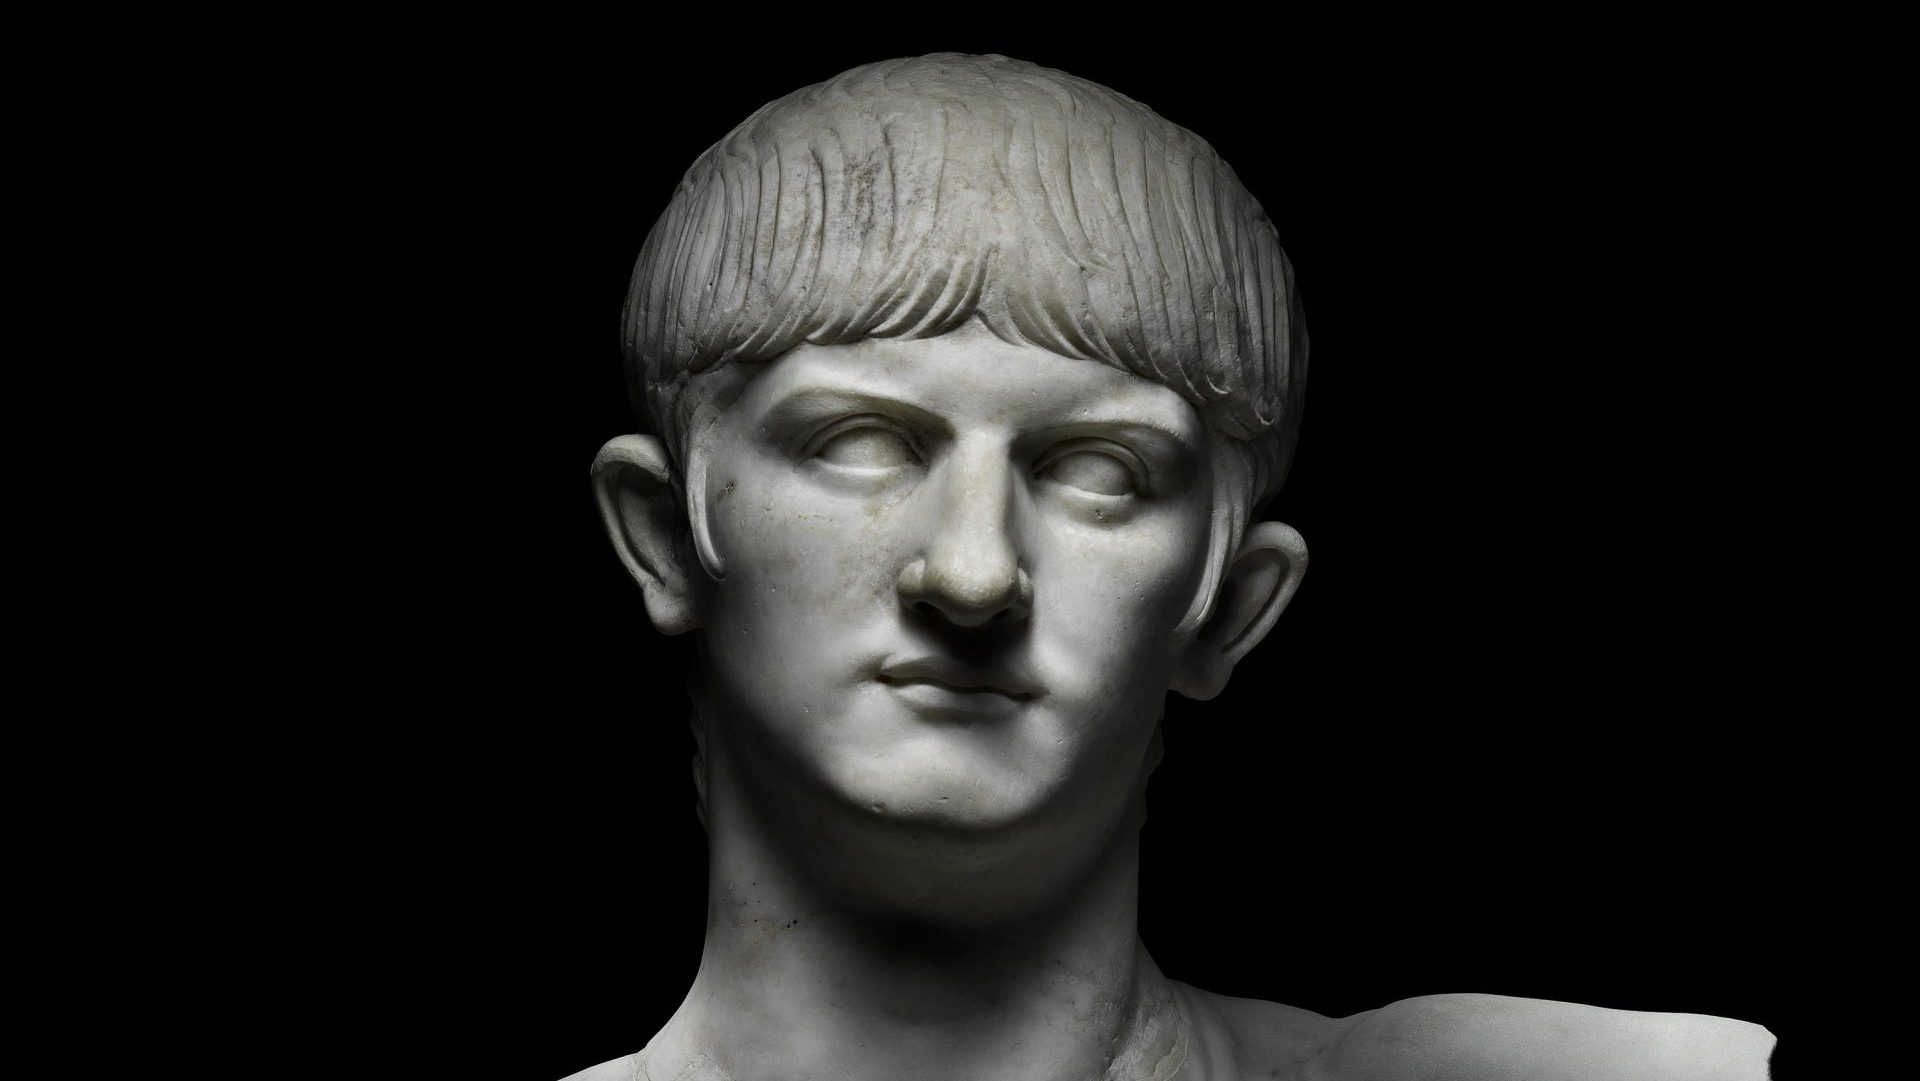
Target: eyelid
[1095, 445]
[814, 441]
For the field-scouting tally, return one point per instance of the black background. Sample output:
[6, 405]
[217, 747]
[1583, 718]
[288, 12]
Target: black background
[1517, 733]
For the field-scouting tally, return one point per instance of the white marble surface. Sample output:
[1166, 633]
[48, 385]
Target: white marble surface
[956, 439]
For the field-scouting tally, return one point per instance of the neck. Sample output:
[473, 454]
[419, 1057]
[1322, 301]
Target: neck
[796, 985]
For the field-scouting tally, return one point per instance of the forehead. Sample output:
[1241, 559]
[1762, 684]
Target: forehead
[969, 377]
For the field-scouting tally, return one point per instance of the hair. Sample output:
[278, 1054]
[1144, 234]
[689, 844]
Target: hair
[876, 204]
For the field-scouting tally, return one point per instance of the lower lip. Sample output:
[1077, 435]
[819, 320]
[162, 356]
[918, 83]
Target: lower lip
[940, 698]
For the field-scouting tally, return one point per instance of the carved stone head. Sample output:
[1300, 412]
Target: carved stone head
[966, 376]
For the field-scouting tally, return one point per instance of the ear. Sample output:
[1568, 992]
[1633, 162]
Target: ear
[1255, 589]
[633, 485]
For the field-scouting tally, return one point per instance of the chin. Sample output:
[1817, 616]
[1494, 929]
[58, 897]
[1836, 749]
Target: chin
[931, 842]
[935, 783]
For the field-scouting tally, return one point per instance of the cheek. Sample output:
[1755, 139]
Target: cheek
[795, 561]
[1115, 598]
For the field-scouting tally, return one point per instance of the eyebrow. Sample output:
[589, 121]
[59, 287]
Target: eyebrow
[811, 403]
[1161, 439]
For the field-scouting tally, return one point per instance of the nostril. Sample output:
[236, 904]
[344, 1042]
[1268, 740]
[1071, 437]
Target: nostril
[926, 608]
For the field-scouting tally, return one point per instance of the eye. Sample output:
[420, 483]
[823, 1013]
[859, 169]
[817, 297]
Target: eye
[1101, 472]
[865, 445]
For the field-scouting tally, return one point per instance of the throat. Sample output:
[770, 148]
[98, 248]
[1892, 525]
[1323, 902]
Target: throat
[796, 986]
[842, 949]
[1141, 1034]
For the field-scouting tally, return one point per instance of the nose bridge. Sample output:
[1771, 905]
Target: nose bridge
[972, 568]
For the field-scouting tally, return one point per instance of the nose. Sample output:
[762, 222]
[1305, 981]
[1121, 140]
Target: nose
[971, 572]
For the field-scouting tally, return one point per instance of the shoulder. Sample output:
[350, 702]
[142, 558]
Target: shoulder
[625, 1068]
[1487, 1037]
[1247, 1037]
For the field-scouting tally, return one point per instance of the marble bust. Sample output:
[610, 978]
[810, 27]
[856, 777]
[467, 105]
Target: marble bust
[964, 378]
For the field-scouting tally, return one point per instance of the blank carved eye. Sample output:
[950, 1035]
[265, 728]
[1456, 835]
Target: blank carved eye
[867, 446]
[1091, 471]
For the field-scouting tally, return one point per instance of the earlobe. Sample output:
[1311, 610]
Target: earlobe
[1253, 592]
[633, 485]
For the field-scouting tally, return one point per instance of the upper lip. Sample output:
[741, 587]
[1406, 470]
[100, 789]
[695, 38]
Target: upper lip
[958, 677]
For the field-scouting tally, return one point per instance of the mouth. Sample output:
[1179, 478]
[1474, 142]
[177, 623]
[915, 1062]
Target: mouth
[946, 678]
